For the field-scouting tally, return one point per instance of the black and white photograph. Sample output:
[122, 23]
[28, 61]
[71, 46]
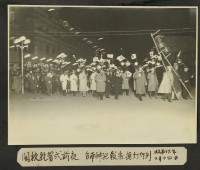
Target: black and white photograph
[102, 74]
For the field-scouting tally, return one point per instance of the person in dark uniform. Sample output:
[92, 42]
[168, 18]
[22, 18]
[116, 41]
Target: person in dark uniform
[48, 80]
[108, 83]
[185, 76]
[43, 83]
[117, 84]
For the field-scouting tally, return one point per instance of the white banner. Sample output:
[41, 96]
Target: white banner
[101, 156]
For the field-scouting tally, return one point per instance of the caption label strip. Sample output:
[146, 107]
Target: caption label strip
[101, 156]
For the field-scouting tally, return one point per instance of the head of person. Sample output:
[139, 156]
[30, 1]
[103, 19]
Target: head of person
[168, 68]
[185, 69]
[118, 73]
[65, 72]
[152, 69]
[83, 70]
[101, 71]
[176, 66]
[140, 69]
[73, 71]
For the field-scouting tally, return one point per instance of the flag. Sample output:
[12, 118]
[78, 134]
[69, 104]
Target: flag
[74, 64]
[129, 74]
[120, 58]
[109, 55]
[133, 56]
[80, 60]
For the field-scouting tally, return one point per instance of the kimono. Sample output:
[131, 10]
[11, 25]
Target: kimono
[82, 82]
[93, 81]
[48, 80]
[152, 81]
[63, 79]
[100, 81]
[16, 85]
[73, 82]
[177, 85]
[185, 76]
[108, 85]
[32, 81]
[166, 83]
[140, 81]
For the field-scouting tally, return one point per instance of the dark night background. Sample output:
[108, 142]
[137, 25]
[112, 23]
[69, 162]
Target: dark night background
[101, 21]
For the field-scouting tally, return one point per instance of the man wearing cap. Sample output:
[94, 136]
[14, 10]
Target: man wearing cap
[63, 79]
[101, 85]
[73, 82]
[140, 82]
[83, 82]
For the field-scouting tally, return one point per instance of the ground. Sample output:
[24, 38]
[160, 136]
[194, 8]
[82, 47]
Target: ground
[58, 119]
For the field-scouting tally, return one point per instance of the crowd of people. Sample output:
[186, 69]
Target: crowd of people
[100, 83]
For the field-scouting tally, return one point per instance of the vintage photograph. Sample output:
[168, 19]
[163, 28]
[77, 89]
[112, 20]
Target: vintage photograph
[102, 74]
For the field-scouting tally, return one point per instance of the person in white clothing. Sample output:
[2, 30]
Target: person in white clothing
[73, 82]
[83, 83]
[63, 79]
